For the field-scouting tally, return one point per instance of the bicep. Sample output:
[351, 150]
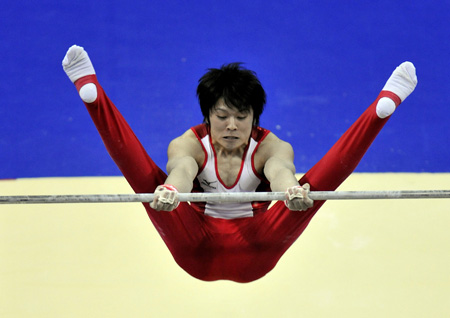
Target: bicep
[182, 153]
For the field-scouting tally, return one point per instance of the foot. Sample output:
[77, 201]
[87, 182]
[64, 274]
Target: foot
[403, 80]
[77, 64]
[402, 83]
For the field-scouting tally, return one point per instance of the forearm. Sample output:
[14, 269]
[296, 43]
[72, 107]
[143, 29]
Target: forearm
[280, 174]
[282, 180]
[180, 180]
[182, 174]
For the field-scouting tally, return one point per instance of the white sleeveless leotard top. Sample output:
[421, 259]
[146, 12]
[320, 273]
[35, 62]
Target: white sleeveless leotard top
[247, 180]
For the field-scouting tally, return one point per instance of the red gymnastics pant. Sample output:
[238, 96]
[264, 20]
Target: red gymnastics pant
[240, 250]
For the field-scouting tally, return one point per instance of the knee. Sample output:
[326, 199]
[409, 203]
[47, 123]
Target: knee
[88, 93]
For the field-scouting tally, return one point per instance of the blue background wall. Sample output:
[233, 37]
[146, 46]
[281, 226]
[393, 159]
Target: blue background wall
[321, 62]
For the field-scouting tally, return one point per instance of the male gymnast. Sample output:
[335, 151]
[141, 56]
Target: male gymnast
[229, 152]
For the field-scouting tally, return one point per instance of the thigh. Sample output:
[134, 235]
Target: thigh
[280, 227]
[121, 143]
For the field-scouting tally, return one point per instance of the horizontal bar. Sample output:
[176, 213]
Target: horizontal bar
[225, 197]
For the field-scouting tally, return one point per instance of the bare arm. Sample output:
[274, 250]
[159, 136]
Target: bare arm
[279, 169]
[279, 166]
[182, 166]
[185, 154]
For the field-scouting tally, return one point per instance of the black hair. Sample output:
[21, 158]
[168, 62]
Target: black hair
[238, 86]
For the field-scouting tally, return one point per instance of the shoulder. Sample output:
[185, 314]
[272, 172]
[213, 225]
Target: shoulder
[259, 133]
[186, 140]
[186, 145]
[272, 146]
[200, 131]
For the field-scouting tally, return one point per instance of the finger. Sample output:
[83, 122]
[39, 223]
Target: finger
[158, 202]
[154, 205]
[294, 193]
[302, 206]
[295, 205]
[307, 187]
[306, 199]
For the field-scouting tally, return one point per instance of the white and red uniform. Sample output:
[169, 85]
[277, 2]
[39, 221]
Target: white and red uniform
[248, 179]
[241, 249]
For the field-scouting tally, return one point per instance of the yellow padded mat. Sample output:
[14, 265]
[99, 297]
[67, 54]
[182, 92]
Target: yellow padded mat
[360, 258]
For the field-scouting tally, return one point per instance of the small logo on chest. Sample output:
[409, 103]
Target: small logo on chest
[208, 184]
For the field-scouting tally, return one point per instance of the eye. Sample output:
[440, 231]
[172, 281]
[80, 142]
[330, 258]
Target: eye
[221, 117]
[241, 117]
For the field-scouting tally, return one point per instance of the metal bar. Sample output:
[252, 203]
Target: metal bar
[225, 197]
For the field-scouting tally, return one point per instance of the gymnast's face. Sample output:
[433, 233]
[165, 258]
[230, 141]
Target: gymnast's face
[230, 128]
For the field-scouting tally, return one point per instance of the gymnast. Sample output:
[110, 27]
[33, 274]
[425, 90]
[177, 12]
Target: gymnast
[229, 152]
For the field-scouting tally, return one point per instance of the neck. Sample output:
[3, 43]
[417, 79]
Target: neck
[225, 152]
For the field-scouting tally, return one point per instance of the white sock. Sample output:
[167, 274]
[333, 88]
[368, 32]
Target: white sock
[403, 80]
[402, 83]
[77, 64]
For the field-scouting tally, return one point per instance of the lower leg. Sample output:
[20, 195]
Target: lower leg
[344, 156]
[120, 141]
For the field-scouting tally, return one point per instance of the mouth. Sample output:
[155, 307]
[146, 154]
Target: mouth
[231, 138]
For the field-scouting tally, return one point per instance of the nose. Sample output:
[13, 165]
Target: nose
[231, 124]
